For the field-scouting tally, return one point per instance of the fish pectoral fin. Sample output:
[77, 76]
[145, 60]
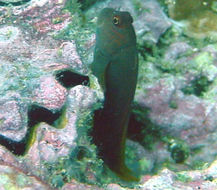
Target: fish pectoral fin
[99, 67]
[104, 76]
[101, 81]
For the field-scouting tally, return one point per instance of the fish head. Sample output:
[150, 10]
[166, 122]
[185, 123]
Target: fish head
[114, 31]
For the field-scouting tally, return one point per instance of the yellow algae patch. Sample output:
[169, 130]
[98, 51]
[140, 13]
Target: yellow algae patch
[62, 121]
[200, 16]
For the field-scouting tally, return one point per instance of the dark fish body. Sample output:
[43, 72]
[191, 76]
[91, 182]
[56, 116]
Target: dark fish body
[116, 66]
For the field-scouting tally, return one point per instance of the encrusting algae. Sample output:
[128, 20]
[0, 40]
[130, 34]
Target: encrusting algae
[201, 16]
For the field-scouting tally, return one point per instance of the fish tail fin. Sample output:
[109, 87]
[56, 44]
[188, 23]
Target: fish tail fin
[124, 173]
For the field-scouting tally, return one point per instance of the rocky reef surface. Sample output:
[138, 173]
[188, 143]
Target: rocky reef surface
[48, 96]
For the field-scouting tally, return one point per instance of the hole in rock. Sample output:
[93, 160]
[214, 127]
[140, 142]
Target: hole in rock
[134, 131]
[80, 152]
[198, 86]
[13, 3]
[70, 79]
[142, 130]
[16, 147]
[36, 114]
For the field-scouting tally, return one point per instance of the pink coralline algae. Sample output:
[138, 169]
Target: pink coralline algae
[48, 18]
[47, 25]
[28, 68]
[44, 16]
[51, 94]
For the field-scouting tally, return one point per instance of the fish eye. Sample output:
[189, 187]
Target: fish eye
[116, 20]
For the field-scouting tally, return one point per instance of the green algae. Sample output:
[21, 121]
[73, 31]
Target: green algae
[198, 86]
[211, 92]
[200, 15]
[57, 181]
[82, 159]
[73, 29]
[30, 138]
[22, 77]
[173, 104]
[79, 29]
[85, 4]
[178, 149]
[22, 180]
[147, 69]
[57, 20]
[147, 72]
[153, 66]
[199, 165]
[7, 182]
[202, 65]
[4, 179]
[72, 6]
[183, 177]
[139, 166]
[214, 6]
[203, 62]
[62, 121]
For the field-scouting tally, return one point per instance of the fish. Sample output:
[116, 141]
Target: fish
[115, 64]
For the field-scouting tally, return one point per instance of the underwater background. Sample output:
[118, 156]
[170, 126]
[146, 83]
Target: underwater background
[48, 95]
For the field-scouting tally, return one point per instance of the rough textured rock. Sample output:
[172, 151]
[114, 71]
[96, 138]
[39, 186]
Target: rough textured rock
[52, 143]
[29, 60]
[27, 63]
[50, 93]
[175, 50]
[13, 178]
[181, 106]
[13, 119]
[76, 186]
[177, 85]
[169, 180]
[195, 15]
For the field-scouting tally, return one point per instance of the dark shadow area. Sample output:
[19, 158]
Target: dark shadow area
[16, 147]
[69, 79]
[80, 152]
[142, 130]
[97, 132]
[145, 50]
[36, 114]
[134, 131]
[18, 3]
[198, 86]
